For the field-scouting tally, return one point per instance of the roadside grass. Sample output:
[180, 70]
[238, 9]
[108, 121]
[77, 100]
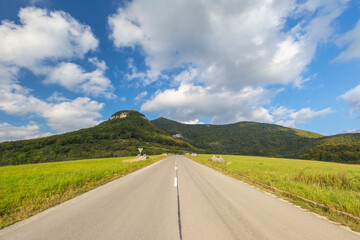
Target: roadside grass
[28, 189]
[334, 185]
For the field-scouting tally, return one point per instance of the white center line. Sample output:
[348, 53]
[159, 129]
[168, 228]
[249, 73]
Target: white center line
[175, 182]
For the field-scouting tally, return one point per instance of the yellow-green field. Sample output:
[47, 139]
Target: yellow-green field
[334, 185]
[29, 189]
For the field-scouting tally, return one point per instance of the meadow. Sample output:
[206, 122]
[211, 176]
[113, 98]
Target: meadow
[28, 189]
[334, 185]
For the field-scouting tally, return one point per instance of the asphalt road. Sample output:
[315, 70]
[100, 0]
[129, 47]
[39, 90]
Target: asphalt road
[175, 198]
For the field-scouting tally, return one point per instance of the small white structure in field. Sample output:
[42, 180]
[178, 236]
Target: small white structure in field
[217, 159]
[194, 154]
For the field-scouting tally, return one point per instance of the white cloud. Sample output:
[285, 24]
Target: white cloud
[40, 41]
[307, 113]
[186, 76]
[101, 65]
[233, 50]
[194, 121]
[57, 97]
[125, 32]
[15, 99]
[352, 97]
[10, 132]
[73, 115]
[290, 117]
[62, 116]
[352, 42]
[76, 79]
[141, 96]
[352, 130]
[190, 102]
[146, 78]
[43, 35]
[231, 44]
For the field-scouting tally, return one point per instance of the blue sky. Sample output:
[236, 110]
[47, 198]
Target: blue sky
[67, 65]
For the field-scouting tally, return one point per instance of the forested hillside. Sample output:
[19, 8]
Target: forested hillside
[116, 137]
[261, 139]
[126, 131]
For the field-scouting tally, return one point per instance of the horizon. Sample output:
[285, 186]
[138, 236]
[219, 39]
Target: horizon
[294, 64]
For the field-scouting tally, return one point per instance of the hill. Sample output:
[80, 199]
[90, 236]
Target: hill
[121, 135]
[247, 138]
[337, 148]
[261, 139]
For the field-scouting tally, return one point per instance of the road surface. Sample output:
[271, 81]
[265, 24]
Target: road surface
[175, 198]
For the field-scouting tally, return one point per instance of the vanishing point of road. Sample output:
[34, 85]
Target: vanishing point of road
[175, 198]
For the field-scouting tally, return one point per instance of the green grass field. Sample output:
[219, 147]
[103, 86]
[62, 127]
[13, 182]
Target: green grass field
[29, 189]
[334, 185]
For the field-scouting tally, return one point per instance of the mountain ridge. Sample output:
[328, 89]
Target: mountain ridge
[127, 130]
[111, 138]
[264, 139]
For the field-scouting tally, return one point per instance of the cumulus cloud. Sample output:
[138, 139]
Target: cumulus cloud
[352, 97]
[10, 132]
[41, 40]
[147, 77]
[61, 116]
[74, 78]
[43, 35]
[195, 121]
[71, 115]
[231, 48]
[42, 43]
[352, 42]
[290, 117]
[233, 43]
[186, 76]
[125, 31]
[190, 102]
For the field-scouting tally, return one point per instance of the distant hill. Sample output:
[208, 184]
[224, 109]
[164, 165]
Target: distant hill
[126, 131]
[121, 135]
[337, 148]
[251, 138]
[248, 138]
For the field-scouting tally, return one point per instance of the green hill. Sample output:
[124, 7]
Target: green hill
[126, 131]
[337, 148]
[248, 138]
[261, 139]
[121, 135]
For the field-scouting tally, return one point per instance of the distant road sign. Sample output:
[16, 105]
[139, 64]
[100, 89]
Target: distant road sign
[140, 150]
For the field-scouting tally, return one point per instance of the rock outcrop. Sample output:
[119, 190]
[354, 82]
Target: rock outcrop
[142, 157]
[217, 159]
[178, 135]
[122, 115]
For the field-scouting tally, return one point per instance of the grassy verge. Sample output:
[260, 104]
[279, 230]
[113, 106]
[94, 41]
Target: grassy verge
[334, 185]
[28, 189]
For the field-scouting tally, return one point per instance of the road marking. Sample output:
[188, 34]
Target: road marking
[175, 182]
